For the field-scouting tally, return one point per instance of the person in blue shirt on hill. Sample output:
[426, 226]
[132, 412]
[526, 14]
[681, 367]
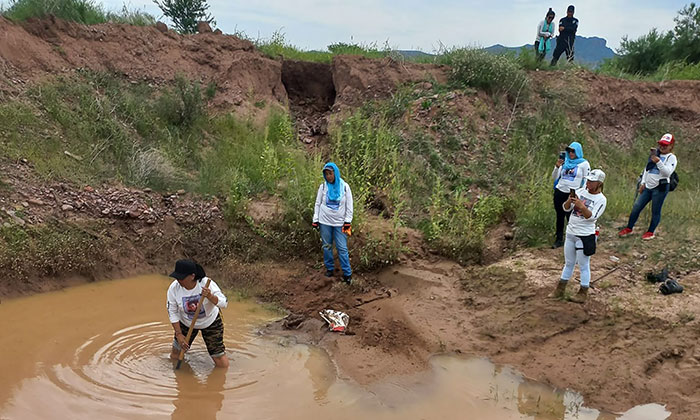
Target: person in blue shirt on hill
[568, 26]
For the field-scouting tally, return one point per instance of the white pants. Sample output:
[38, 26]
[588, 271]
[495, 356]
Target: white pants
[573, 254]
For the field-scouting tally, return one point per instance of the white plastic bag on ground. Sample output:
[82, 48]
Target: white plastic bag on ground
[338, 321]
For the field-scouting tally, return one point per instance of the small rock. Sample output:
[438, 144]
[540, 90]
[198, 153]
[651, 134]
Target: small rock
[162, 27]
[203, 27]
[147, 190]
[89, 189]
[25, 204]
[67, 207]
[180, 192]
[105, 212]
[508, 235]
[217, 32]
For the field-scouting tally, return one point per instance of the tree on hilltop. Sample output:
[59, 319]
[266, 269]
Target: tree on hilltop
[186, 13]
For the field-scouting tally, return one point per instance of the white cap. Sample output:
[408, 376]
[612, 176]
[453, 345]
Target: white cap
[596, 175]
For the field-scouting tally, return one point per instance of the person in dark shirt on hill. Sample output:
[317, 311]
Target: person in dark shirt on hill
[567, 35]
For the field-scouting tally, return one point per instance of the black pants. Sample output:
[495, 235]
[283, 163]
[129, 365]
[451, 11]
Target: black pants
[559, 199]
[538, 54]
[564, 44]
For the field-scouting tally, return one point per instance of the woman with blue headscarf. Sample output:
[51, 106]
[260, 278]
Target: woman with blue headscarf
[569, 173]
[333, 216]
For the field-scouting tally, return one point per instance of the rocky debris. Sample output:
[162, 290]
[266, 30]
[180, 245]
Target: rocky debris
[32, 204]
[162, 27]
[203, 27]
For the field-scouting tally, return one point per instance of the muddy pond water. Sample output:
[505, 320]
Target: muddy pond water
[100, 351]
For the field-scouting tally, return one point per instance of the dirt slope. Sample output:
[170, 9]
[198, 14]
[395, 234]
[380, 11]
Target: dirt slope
[50, 46]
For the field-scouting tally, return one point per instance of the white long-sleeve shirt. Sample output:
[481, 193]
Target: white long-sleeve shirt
[329, 216]
[182, 303]
[541, 32]
[573, 178]
[663, 170]
[578, 224]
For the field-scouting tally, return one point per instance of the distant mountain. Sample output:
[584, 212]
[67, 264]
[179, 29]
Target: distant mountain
[591, 51]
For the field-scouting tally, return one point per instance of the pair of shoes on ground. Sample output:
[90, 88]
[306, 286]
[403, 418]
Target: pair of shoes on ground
[627, 231]
[346, 279]
[559, 293]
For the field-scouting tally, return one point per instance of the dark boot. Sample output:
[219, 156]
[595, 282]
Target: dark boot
[329, 273]
[558, 293]
[580, 296]
[558, 244]
[347, 279]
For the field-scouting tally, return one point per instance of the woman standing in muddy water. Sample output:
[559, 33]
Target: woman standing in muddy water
[183, 294]
[586, 205]
[333, 216]
[569, 173]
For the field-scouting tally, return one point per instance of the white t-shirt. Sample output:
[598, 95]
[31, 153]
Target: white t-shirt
[572, 178]
[182, 303]
[333, 213]
[542, 32]
[662, 170]
[578, 224]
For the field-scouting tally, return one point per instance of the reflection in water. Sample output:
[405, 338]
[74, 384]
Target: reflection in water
[198, 398]
[114, 361]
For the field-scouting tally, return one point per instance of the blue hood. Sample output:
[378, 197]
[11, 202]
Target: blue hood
[337, 188]
[572, 163]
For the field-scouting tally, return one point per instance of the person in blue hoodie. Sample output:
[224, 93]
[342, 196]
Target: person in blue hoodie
[333, 217]
[569, 173]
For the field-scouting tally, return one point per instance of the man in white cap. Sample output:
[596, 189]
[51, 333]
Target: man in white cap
[586, 206]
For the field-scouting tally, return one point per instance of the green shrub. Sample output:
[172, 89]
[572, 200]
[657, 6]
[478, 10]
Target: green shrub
[494, 73]
[183, 105]
[185, 14]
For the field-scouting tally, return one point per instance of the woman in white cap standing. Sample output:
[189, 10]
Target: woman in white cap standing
[655, 185]
[586, 206]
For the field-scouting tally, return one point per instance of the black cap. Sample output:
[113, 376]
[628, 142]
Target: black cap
[571, 8]
[183, 268]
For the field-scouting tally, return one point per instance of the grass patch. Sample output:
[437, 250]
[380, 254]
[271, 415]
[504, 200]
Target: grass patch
[276, 46]
[87, 12]
[48, 250]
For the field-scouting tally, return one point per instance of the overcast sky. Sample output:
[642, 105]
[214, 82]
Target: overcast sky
[423, 25]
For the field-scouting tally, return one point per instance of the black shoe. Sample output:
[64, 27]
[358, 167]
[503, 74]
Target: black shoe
[329, 273]
[347, 279]
[558, 244]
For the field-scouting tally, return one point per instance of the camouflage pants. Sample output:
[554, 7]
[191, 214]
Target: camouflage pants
[213, 336]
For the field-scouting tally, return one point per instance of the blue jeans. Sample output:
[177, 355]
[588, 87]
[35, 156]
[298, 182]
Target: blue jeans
[330, 234]
[657, 197]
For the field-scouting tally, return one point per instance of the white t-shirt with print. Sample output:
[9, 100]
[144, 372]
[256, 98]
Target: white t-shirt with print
[578, 224]
[572, 178]
[182, 303]
[663, 170]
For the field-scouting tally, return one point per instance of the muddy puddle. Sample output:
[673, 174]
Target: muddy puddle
[101, 351]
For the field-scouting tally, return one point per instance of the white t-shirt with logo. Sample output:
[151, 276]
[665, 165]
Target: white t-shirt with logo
[663, 170]
[182, 304]
[571, 178]
[578, 224]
